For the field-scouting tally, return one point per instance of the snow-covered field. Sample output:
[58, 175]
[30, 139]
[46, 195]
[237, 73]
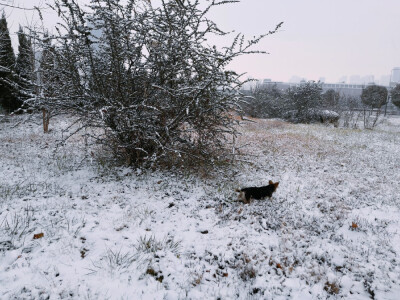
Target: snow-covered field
[331, 230]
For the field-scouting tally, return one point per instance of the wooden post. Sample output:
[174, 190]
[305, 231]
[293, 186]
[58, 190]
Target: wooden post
[46, 120]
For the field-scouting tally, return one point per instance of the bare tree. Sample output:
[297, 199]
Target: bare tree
[146, 76]
[351, 111]
[12, 5]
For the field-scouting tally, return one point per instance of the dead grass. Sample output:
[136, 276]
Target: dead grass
[279, 137]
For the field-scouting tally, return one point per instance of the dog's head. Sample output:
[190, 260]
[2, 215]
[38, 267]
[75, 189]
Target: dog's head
[274, 184]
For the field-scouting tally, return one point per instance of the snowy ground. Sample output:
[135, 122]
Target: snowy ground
[331, 229]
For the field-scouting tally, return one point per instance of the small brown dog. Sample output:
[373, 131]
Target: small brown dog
[261, 192]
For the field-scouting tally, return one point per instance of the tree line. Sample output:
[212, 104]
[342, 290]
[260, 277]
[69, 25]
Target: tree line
[300, 103]
[17, 77]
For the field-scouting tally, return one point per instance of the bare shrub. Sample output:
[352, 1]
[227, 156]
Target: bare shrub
[371, 117]
[139, 73]
[350, 111]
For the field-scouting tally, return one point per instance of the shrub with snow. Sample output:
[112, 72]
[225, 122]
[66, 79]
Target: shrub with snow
[146, 76]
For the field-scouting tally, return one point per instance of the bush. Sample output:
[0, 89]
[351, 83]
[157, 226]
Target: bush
[351, 111]
[266, 101]
[374, 96]
[331, 99]
[302, 101]
[395, 94]
[147, 77]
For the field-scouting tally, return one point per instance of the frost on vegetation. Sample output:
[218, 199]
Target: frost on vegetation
[152, 245]
[143, 255]
[330, 230]
[114, 261]
[142, 79]
[72, 225]
[27, 189]
[15, 228]
[307, 103]
[138, 214]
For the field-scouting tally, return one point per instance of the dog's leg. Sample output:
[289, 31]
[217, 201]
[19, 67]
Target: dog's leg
[248, 198]
[241, 197]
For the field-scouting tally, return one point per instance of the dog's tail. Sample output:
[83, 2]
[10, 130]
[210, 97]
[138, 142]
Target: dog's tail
[238, 190]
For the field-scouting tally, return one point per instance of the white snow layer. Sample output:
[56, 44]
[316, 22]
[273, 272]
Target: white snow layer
[330, 230]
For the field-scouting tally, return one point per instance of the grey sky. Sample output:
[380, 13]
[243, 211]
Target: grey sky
[319, 38]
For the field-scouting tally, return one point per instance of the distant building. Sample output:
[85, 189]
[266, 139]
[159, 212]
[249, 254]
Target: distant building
[395, 76]
[295, 79]
[354, 90]
[266, 81]
[384, 80]
[279, 85]
[368, 79]
[343, 88]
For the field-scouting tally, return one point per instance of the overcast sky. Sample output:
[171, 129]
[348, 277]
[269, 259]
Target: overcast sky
[334, 39]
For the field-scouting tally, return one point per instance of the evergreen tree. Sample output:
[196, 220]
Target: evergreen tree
[374, 96]
[16, 78]
[25, 60]
[266, 101]
[330, 99]
[395, 94]
[46, 66]
[7, 57]
[304, 99]
[9, 91]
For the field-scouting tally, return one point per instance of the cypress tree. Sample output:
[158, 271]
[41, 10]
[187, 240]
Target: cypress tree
[15, 85]
[7, 57]
[47, 71]
[8, 91]
[25, 60]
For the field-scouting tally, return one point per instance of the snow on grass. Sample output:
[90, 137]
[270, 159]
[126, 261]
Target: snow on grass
[330, 230]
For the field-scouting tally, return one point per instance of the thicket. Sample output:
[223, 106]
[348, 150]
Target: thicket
[374, 96]
[307, 103]
[144, 76]
[265, 101]
[304, 103]
[16, 74]
[395, 94]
